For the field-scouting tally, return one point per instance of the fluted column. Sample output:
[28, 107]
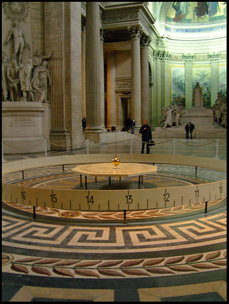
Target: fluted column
[111, 102]
[102, 89]
[54, 39]
[94, 77]
[135, 76]
[144, 78]
[83, 49]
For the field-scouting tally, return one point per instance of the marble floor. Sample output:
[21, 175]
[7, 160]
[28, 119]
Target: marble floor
[170, 254]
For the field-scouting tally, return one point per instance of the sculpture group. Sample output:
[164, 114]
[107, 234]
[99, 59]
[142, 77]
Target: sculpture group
[220, 111]
[26, 81]
[171, 116]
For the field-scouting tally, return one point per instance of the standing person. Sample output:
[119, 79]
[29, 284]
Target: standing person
[191, 128]
[187, 130]
[145, 130]
[132, 126]
[84, 123]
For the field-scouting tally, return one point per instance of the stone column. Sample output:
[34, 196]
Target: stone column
[83, 48]
[188, 80]
[54, 39]
[94, 92]
[144, 78]
[135, 76]
[158, 87]
[111, 102]
[214, 60]
[102, 89]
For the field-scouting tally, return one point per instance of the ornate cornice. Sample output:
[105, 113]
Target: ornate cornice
[121, 17]
[123, 84]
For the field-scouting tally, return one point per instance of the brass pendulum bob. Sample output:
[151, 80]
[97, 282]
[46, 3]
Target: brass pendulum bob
[115, 160]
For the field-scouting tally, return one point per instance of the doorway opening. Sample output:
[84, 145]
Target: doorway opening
[125, 113]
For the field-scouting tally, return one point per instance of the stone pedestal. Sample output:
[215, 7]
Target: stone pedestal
[25, 127]
[198, 116]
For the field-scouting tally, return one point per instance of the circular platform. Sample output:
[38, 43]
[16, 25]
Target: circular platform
[108, 169]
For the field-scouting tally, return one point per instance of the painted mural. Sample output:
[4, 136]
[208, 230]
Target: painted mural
[202, 74]
[192, 12]
[178, 85]
[223, 80]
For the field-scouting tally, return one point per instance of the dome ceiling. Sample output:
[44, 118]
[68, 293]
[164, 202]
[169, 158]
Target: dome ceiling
[182, 19]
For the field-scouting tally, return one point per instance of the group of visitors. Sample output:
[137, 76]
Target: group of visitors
[189, 127]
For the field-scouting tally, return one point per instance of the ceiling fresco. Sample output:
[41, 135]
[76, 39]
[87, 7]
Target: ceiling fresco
[196, 12]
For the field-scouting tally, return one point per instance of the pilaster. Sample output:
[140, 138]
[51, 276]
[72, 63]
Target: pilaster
[111, 102]
[188, 80]
[83, 80]
[145, 41]
[135, 76]
[94, 75]
[54, 40]
[214, 61]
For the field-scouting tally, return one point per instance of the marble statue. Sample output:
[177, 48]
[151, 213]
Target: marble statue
[169, 119]
[224, 117]
[197, 96]
[4, 88]
[25, 76]
[13, 79]
[19, 41]
[220, 109]
[177, 118]
[39, 85]
[171, 115]
[43, 70]
[38, 58]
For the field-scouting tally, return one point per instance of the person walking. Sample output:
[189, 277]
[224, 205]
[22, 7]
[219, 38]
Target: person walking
[187, 130]
[132, 126]
[191, 128]
[146, 133]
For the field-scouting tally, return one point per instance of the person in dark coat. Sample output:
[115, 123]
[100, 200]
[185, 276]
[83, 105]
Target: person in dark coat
[84, 123]
[187, 130]
[145, 130]
[191, 128]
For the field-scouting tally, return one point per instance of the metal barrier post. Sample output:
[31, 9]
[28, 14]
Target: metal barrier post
[131, 146]
[217, 148]
[174, 146]
[45, 148]
[206, 206]
[87, 140]
[34, 212]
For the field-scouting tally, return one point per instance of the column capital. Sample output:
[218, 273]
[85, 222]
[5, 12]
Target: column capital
[102, 34]
[213, 57]
[145, 40]
[187, 57]
[83, 24]
[135, 31]
[161, 55]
